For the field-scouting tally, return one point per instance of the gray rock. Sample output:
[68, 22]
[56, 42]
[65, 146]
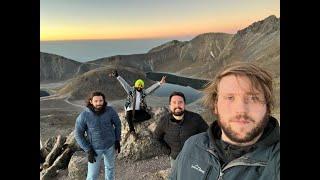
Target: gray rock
[59, 164]
[47, 147]
[145, 146]
[164, 174]
[71, 143]
[77, 168]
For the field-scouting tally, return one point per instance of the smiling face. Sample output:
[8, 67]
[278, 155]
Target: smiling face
[177, 105]
[241, 110]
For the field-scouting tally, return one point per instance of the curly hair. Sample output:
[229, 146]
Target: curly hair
[91, 95]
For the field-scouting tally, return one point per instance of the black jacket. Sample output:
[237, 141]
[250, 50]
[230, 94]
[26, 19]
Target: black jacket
[175, 134]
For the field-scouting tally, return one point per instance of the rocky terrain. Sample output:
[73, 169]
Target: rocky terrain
[145, 156]
[64, 83]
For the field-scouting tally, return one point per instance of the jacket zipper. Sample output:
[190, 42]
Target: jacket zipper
[220, 175]
[220, 172]
[237, 162]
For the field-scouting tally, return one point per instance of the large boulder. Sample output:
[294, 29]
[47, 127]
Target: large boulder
[77, 168]
[145, 146]
[57, 152]
[71, 143]
[47, 147]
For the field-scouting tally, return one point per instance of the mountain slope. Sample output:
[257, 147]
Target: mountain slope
[98, 80]
[54, 68]
[199, 57]
[206, 53]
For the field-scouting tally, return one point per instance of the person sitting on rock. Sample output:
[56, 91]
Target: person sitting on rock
[176, 126]
[135, 105]
[102, 125]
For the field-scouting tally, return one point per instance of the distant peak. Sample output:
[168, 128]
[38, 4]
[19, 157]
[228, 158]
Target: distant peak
[165, 45]
[271, 18]
[269, 24]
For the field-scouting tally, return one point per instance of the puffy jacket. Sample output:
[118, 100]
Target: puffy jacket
[102, 131]
[132, 92]
[175, 134]
[199, 159]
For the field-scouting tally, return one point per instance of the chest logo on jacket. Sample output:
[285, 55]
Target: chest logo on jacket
[198, 168]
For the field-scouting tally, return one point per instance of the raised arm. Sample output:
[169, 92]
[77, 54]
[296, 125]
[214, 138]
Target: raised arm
[123, 82]
[156, 85]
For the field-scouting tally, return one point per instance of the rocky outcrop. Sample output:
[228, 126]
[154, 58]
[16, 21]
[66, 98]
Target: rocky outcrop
[64, 152]
[57, 152]
[77, 168]
[145, 146]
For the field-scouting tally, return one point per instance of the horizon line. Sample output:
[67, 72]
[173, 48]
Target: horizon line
[103, 39]
[142, 38]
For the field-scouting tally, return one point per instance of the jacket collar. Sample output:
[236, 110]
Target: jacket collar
[270, 136]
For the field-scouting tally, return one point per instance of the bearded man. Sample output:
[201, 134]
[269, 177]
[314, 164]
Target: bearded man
[244, 142]
[175, 127]
[97, 131]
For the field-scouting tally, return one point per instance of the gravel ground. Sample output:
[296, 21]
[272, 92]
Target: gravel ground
[129, 170]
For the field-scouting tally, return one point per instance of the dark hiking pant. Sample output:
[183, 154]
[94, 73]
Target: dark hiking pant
[139, 115]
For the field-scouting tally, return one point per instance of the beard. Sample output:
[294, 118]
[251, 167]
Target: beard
[139, 89]
[249, 136]
[178, 113]
[98, 110]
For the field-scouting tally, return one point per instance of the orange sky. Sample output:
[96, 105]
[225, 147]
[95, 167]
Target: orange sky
[124, 19]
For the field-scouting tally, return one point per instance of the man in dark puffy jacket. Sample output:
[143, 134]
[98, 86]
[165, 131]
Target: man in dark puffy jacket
[175, 127]
[102, 126]
[244, 142]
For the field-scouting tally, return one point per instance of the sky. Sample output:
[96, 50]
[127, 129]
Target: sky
[148, 19]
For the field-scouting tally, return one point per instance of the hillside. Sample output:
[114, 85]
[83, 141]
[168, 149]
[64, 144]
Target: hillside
[258, 43]
[98, 79]
[200, 57]
[55, 68]
[203, 55]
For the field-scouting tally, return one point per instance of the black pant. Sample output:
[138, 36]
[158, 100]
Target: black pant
[139, 115]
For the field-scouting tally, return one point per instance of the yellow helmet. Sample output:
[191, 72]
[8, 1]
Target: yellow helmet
[139, 83]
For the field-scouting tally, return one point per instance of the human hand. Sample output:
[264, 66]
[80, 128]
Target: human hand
[114, 73]
[163, 79]
[91, 155]
[117, 146]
